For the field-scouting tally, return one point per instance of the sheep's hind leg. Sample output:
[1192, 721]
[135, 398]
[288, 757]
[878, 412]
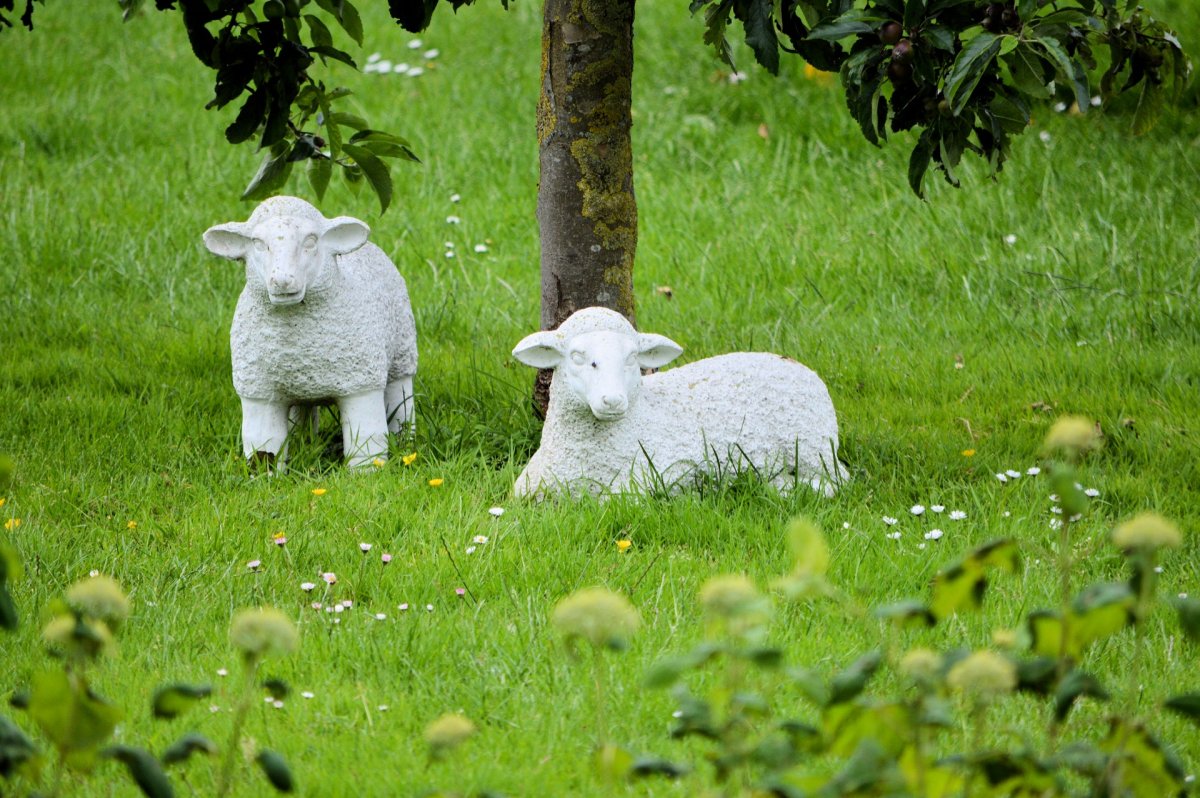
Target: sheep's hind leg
[364, 428]
[264, 432]
[398, 396]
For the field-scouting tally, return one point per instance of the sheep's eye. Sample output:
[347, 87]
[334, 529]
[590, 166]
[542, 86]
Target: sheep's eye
[578, 358]
[260, 245]
[310, 241]
[594, 365]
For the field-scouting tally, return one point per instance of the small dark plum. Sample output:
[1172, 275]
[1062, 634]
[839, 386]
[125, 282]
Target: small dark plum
[899, 72]
[902, 53]
[890, 32]
[1009, 18]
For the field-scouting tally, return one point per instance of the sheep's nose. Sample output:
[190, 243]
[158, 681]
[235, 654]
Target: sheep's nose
[613, 402]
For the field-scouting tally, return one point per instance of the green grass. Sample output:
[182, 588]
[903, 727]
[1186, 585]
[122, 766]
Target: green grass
[118, 406]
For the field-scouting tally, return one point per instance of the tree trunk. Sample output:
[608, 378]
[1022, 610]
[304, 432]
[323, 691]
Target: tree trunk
[587, 214]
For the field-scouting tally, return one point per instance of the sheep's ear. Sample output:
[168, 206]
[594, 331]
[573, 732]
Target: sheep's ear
[344, 234]
[540, 350]
[228, 240]
[656, 350]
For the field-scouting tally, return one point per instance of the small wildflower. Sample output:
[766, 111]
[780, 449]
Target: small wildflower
[131, 525]
[447, 733]
[213, 708]
[254, 565]
[480, 539]
[1056, 510]
[1012, 474]
[379, 462]
[496, 512]
[429, 55]
[1002, 478]
[307, 587]
[222, 672]
[316, 605]
[1091, 493]
[3, 501]
[1060, 107]
[93, 573]
[12, 524]
[429, 608]
[379, 616]
[277, 704]
[385, 558]
[957, 515]
[319, 491]
[1033, 471]
[449, 245]
[887, 519]
[934, 534]
[893, 535]
[436, 482]
[99, 597]
[1054, 498]
[624, 544]
[456, 198]
[452, 219]
[330, 578]
[917, 509]
[598, 615]
[968, 452]
[1158, 569]
[364, 547]
[984, 673]
[737, 77]
[1044, 136]
[279, 539]
[1147, 530]
[481, 248]
[1010, 239]
[347, 603]
[937, 508]
[470, 549]
[460, 591]
[1056, 523]
[307, 694]
[382, 707]
[402, 607]
[1072, 436]
[260, 631]
[449, 253]
[415, 44]
[409, 459]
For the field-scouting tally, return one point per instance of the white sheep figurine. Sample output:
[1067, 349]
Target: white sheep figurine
[324, 317]
[610, 429]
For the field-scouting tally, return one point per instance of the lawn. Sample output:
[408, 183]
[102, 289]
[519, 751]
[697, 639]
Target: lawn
[951, 333]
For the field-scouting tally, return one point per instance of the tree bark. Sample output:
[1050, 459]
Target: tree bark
[587, 214]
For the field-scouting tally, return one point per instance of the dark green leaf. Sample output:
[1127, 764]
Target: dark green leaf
[847, 684]
[764, 656]
[855, 20]
[1072, 72]
[760, 34]
[1083, 758]
[1037, 675]
[17, 751]
[1028, 71]
[1149, 108]
[868, 766]
[940, 37]
[335, 54]
[319, 172]
[1143, 767]
[276, 770]
[277, 688]
[914, 14]
[1187, 705]
[907, 613]
[969, 68]
[74, 720]
[375, 171]
[183, 748]
[145, 770]
[1074, 685]
[318, 31]
[272, 174]
[716, 19]
[347, 16]
[249, 117]
[350, 120]
[811, 684]
[172, 700]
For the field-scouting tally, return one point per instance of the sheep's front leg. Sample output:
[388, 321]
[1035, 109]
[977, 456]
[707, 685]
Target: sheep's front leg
[264, 431]
[364, 428]
[398, 398]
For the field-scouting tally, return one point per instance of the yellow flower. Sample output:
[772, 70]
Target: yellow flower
[624, 544]
[436, 482]
[597, 614]
[319, 491]
[409, 459]
[3, 501]
[984, 673]
[812, 73]
[1147, 530]
[131, 525]
[968, 452]
[378, 462]
[261, 631]
[99, 597]
[1071, 436]
[12, 524]
[447, 733]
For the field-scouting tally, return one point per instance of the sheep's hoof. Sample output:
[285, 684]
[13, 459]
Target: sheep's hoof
[260, 461]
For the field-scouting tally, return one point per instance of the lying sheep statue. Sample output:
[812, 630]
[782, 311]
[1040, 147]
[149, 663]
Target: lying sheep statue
[324, 317]
[609, 429]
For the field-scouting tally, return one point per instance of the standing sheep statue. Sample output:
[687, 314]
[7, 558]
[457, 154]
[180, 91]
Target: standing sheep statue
[324, 317]
[610, 429]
